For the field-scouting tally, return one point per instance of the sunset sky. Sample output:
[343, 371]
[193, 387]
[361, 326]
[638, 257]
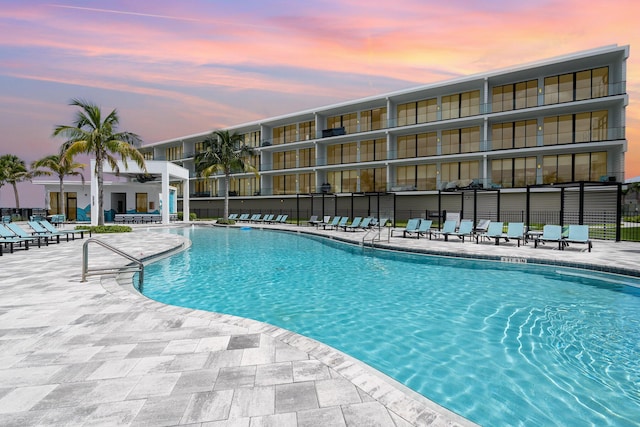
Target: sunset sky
[174, 68]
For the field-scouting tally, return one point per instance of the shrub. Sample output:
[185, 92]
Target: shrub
[105, 228]
[225, 221]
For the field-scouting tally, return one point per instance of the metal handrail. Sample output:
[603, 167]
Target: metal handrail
[85, 260]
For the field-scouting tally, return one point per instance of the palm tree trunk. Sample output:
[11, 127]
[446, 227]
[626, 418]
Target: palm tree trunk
[15, 192]
[62, 199]
[226, 197]
[99, 168]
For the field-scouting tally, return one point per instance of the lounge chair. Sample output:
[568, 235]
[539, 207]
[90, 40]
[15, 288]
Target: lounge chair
[448, 227]
[255, 218]
[550, 233]
[494, 231]
[465, 230]
[52, 229]
[8, 238]
[515, 231]
[21, 232]
[331, 224]
[363, 224]
[482, 226]
[283, 219]
[233, 216]
[425, 228]
[313, 220]
[341, 223]
[354, 224]
[578, 234]
[325, 221]
[243, 217]
[410, 228]
[268, 218]
[381, 223]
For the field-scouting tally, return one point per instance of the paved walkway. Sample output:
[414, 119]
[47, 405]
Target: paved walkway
[98, 353]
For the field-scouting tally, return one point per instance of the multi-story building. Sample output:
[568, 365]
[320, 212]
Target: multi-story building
[555, 121]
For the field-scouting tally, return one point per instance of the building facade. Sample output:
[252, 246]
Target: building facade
[560, 120]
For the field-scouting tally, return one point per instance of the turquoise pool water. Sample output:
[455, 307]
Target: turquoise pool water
[500, 344]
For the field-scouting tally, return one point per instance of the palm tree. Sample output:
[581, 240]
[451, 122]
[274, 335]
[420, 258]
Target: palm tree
[92, 135]
[12, 171]
[224, 153]
[60, 165]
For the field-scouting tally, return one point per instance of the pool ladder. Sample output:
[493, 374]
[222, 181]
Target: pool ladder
[139, 266]
[376, 236]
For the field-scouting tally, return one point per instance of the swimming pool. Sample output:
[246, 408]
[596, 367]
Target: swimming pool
[500, 344]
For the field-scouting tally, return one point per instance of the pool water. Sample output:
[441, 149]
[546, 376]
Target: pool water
[500, 344]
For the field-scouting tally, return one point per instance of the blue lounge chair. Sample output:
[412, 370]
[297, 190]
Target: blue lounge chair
[363, 224]
[9, 238]
[283, 219]
[515, 231]
[243, 217]
[494, 231]
[342, 223]
[313, 220]
[268, 218]
[21, 232]
[233, 216]
[465, 230]
[331, 224]
[354, 224]
[448, 227]
[425, 228]
[255, 218]
[410, 228]
[578, 234]
[53, 230]
[550, 233]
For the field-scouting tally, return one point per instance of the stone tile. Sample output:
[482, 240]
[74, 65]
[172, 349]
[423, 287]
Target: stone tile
[22, 377]
[209, 344]
[188, 362]
[296, 397]
[321, 417]
[68, 394]
[22, 419]
[113, 369]
[115, 413]
[181, 346]
[238, 342]
[232, 422]
[75, 372]
[151, 365]
[154, 385]
[24, 398]
[111, 390]
[196, 381]
[147, 349]
[337, 391]
[367, 414]
[310, 370]
[209, 406]
[222, 359]
[251, 402]
[277, 420]
[286, 353]
[235, 377]
[275, 373]
[162, 411]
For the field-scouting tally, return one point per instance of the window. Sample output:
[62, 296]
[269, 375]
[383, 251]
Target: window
[516, 172]
[470, 103]
[515, 96]
[373, 180]
[173, 153]
[373, 119]
[450, 107]
[459, 171]
[307, 157]
[576, 86]
[465, 140]
[373, 150]
[306, 183]
[582, 127]
[284, 184]
[348, 121]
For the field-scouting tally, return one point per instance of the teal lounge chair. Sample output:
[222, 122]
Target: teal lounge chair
[366, 223]
[21, 232]
[268, 218]
[342, 223]
[52, 229]
[354, 224]
[331, 224]
[578, 234]
[515, 231]
[243, 217]
[255, 218]
[465, 230]
[381, 223]
[283, 219]
[8, 238]
[494, 231]
[410, 228]
[233, 216]
[550, 233]
[425, 228]
[448, 227]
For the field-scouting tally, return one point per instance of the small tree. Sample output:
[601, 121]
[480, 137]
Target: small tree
[60, 165]
[92, 134]
[224, 153]
[12, 171]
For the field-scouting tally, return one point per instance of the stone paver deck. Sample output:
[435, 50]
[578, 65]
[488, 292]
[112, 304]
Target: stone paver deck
[99, 353]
